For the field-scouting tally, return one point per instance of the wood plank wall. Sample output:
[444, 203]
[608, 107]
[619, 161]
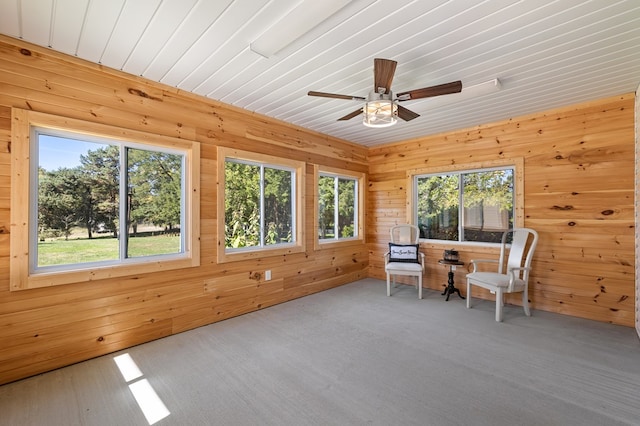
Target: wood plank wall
[637, 205]
[42, 329]
[578, 195]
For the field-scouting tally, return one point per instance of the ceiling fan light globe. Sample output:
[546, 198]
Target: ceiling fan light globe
[380, 112]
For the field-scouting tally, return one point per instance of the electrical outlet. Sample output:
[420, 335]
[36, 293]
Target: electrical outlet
[267, 275]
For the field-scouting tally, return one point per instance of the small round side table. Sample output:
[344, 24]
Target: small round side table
[451, 288]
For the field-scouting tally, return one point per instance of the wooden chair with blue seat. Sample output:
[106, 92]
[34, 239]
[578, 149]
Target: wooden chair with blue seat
[512, 277]
[404, 257]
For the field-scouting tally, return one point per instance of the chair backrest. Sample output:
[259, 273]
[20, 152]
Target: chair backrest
[523, 245]
[405, 234]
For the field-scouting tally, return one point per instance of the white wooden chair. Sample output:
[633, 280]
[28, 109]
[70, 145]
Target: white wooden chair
[515, 278]
[404, 256]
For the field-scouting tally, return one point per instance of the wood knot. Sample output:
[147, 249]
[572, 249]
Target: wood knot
[571, 223]
[100, 339]
[142, 94]
[563, 207]
[25, 52]
[607, 212]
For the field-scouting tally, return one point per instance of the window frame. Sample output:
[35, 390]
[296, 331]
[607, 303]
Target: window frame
[297, 167]
[359, 177]
[518, 191]
[23, 215]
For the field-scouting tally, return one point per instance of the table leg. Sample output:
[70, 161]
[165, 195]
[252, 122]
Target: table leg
[450, 288]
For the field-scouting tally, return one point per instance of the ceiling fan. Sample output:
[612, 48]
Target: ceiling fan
[381, 109]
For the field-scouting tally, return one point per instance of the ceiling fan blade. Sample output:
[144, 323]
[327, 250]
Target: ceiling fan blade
[427, 92]
[383, 71]
[406, 114]
[335, 96]
[351, 115]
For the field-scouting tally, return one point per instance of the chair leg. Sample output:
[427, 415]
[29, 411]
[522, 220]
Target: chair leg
[388, 285]
[499, 304]
[468, 295]
[525, 302]
[420, 286]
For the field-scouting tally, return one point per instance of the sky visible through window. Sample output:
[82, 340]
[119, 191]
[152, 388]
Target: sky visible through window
[56, 152]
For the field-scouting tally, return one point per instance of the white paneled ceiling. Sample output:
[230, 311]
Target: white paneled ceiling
[545, 53]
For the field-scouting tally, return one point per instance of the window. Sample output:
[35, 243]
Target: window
[474, 205]
[258, 205]
[339, 209]
[102, 202]
[262, 202]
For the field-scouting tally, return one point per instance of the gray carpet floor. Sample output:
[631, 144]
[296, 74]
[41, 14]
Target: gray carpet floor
[353, 356]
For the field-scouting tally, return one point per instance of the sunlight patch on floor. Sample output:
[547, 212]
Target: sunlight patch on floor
[148, 400]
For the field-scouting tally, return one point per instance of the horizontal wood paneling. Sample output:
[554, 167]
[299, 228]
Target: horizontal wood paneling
[578, 195]
[42, 329]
